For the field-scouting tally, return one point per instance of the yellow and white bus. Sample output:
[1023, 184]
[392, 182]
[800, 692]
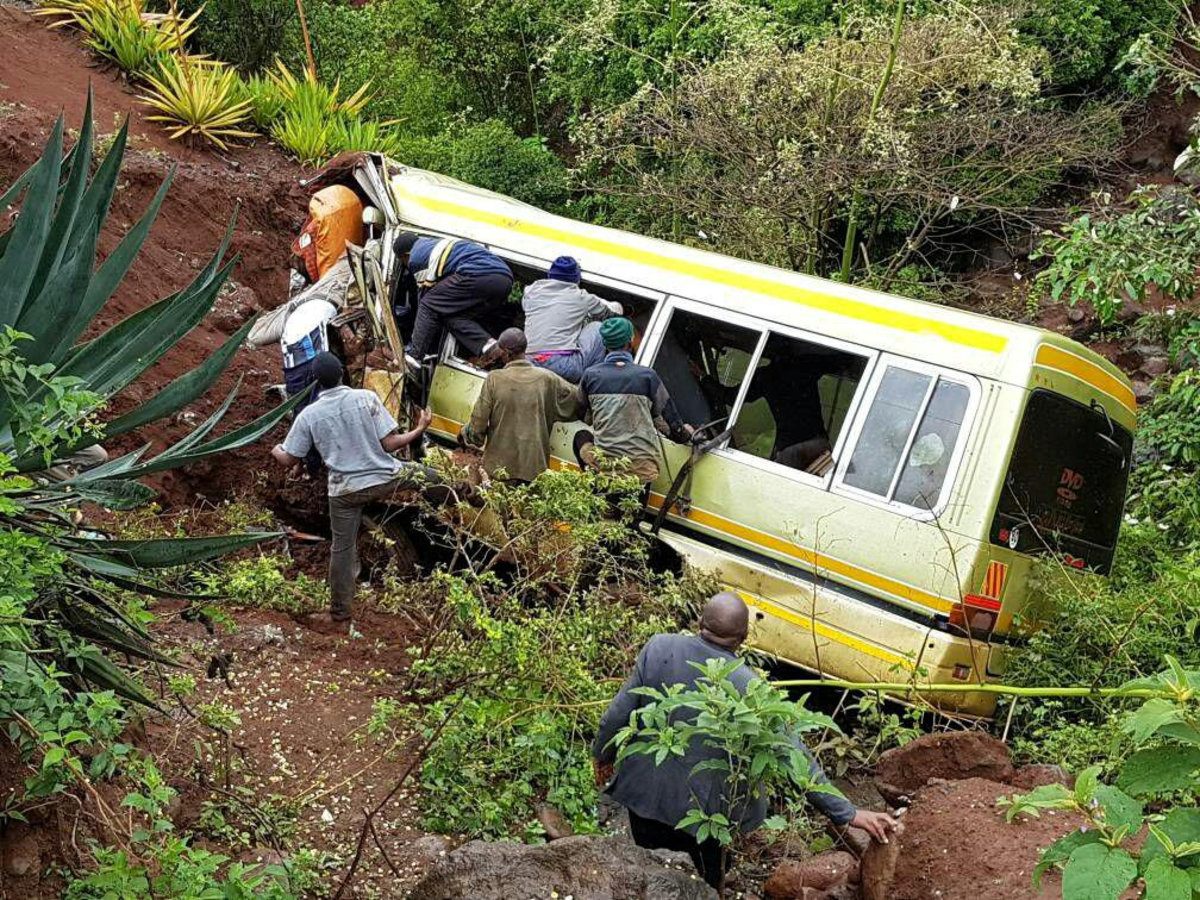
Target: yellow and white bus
[949, 447]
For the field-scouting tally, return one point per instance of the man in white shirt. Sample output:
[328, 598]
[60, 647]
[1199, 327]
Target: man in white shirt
[355, 436]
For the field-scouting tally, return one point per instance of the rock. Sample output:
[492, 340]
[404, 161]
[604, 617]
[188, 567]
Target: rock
[878, 867]
[951, 755]
[264, 635]
[1028, 777]
[431, 847]
[556, 825]
[1156, 365]
[1143, 391]
[823, 873]
[1074, 315]
[584, 867]
[22, 857]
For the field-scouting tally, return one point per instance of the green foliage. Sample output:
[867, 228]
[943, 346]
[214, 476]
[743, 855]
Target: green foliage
[199, 101]
[262, 582]
[1101, 860]
[490, 155]
[248, 34]
[525, 664]
[123, 32]
[1170, 427]
[755, 736]
[1113, 254]
[1087, 38]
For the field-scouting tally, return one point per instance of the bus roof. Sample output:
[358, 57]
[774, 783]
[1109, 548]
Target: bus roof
[965, 341]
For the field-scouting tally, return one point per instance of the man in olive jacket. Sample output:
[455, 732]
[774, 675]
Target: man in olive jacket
[658, 797]
[515, 412]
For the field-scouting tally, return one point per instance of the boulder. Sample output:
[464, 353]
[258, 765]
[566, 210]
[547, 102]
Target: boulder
[583, 867]
[877, 868]
[794, 880]
[952, 756]
[1028, 777]
[22, 857]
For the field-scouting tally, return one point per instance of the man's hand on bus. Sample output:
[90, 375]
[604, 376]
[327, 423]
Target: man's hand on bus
[878, 825]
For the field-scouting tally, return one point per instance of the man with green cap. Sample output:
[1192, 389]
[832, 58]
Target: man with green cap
[629, 406]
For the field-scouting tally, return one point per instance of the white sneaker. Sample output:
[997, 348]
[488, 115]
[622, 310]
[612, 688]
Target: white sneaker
[488, 347]
[412, 364]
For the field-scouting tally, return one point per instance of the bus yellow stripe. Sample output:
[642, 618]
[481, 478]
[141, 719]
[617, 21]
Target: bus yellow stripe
[816, 561]
[829, 303]
[1088, 372]
[825, 631]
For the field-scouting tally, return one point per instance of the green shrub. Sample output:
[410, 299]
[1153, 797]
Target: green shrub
[1104, 256]
[266, 101]
[1086, 38]
[248, 34]
[263, 582]
[1154, 788]
[491, 155]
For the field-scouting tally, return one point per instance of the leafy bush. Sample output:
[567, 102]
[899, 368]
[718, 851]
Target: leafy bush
[266, 100]
[248, 34]
[525, 664]
[262, 582]
[1103, 858]
[491, 155]
[123, 31]
[1105, 256]
[199, 101]
[1086, 38]
[755, 734]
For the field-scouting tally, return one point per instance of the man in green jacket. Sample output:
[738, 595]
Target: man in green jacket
[516, 411]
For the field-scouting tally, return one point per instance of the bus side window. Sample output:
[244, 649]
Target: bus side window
[796, 404]
[908, 438]
[702, 362]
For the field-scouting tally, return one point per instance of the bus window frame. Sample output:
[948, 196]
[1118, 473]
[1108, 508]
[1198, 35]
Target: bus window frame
[955, 466]
[765, 327]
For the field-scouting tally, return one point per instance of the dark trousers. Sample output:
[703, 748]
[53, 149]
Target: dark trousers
[345, 520]
[655, 835]
[456, 302]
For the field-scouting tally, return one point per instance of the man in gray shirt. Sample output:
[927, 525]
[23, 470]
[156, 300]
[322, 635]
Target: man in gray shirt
[355, 435]
[561, 321]
[658, 797]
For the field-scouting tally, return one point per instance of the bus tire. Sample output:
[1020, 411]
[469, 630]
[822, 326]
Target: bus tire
[405, 555]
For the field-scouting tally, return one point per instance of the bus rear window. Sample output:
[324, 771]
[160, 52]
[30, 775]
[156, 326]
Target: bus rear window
[1065, 488]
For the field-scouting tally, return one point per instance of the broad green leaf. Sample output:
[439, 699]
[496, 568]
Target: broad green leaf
[43, 317]
[62, 239]
[114, 493]
[162, 552]
[1085, 785]
[1150, 717]
[1179, 825]
[1061, 850]
[28, 236]
[182, 390]
[1097, 872]
[106, 278]
[1119, 808]
[1165, 881]
[1160, 770]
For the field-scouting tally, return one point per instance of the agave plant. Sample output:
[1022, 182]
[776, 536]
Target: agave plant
[198, 101]
[311, 95]
[50, 291]
[306, 134]
[266, 101]
[123, 32]
[368, 135]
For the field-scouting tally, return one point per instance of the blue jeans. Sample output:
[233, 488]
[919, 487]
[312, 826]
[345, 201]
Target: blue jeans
[571, 366]
[295, 380]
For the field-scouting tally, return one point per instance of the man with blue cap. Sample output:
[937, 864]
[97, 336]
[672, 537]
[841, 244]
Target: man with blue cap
[562, 321]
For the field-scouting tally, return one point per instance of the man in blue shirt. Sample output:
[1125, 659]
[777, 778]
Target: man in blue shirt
[456, 281]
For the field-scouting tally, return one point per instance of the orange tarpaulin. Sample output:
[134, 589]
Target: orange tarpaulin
[334, 219]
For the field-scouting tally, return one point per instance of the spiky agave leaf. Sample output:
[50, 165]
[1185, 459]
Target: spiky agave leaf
[51, 289]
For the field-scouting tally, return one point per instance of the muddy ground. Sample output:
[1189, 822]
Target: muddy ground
[304, 699]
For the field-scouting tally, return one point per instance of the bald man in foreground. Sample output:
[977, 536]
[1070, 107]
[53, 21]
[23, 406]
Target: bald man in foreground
[658, 797]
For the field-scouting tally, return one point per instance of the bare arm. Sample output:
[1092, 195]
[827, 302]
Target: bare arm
[284, 458]
[396, 440]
